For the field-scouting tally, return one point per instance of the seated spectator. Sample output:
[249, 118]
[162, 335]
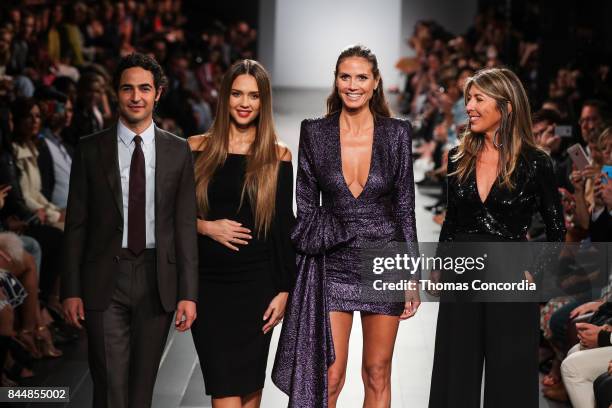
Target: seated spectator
[88, 118]
[544, 122]
[27, 121]
[15, 216]
[588, 359]
[34, 334]
[55, 156]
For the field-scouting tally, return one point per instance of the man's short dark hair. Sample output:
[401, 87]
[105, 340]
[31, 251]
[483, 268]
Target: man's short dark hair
[546, 115]
[603, 109]
[143, 61]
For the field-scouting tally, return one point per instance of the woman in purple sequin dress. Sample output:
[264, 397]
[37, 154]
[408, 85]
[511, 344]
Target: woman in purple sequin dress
[359, 161]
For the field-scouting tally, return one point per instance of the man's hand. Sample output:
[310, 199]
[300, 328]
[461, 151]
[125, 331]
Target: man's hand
[585, 308]
[74, 311]
[185, 315]
[588, 333]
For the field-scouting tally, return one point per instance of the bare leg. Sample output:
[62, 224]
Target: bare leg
[7, 318]
[341, 323]
[252, 400]
[227, 402]
[379, 333]
[28, 277]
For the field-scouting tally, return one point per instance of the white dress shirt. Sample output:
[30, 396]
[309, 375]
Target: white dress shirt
[62, 163]
[125, 148]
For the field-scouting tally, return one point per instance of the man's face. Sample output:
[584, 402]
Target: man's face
[137, 95]
[590, 120]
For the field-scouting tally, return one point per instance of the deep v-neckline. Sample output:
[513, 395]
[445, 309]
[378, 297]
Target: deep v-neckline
[483, 202]
[339, 146]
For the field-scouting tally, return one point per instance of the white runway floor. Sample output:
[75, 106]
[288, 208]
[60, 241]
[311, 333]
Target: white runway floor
[180, 382]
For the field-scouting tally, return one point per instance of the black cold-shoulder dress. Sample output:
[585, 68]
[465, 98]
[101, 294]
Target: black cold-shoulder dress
[236, 287]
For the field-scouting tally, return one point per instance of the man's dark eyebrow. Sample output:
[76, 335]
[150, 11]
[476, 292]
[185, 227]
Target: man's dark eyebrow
[139, 85]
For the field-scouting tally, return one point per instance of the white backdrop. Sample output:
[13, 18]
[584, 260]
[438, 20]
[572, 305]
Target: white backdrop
[300, 40]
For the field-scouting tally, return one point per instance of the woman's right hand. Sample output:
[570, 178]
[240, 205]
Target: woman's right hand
[42, 215]
[577, 180]
[226, 232]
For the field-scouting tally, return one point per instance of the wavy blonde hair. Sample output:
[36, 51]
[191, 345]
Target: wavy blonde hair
[262, 159]
[515, 129]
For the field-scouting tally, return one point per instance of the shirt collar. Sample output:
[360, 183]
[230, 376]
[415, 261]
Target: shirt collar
[48, 134]
[126, 135]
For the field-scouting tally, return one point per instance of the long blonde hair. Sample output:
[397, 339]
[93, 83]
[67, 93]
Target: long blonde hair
[515, 130]
[262, 159]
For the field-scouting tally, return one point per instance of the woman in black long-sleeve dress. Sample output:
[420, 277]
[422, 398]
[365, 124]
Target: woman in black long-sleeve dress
[244, 186]
[497, 179]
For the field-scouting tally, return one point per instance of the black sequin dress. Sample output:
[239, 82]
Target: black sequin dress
[504, 337]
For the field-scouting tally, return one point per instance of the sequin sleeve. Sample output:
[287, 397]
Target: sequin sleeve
[549, 206]
[448, 227]
[317, 230]
[549, 200]
[403, 197]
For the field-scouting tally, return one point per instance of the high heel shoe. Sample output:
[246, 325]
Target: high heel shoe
[45, 343]
[26, 339]
[54, 307]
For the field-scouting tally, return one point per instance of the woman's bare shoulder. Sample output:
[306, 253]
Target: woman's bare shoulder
[197, 142]
[284, 153]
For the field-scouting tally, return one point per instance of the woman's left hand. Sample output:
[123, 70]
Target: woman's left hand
[413, 301]
[275, 312]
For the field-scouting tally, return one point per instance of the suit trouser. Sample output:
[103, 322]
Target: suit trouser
[580, 369]
[503, 336]
[126, 341]
[603, 390]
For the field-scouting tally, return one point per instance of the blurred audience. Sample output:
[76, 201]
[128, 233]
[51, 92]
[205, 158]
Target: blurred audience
[571, 110]
[55, 87]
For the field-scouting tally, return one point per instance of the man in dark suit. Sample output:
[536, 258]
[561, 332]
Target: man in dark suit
[130, 246]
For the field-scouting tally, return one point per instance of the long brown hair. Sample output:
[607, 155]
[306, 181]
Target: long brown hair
[262, 159]
[515, 130]
[378, 104]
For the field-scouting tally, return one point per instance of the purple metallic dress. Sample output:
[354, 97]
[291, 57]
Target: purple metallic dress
[329, 235]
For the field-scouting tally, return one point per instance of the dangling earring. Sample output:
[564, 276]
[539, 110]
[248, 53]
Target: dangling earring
[496, 135]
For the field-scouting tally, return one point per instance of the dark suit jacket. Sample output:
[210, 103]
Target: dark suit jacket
[94, 221]
[601, 229]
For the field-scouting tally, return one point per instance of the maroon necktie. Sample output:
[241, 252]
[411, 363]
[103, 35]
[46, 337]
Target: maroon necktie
[137, 203]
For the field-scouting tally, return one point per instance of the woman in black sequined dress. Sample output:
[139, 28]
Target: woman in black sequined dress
[497, 179]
